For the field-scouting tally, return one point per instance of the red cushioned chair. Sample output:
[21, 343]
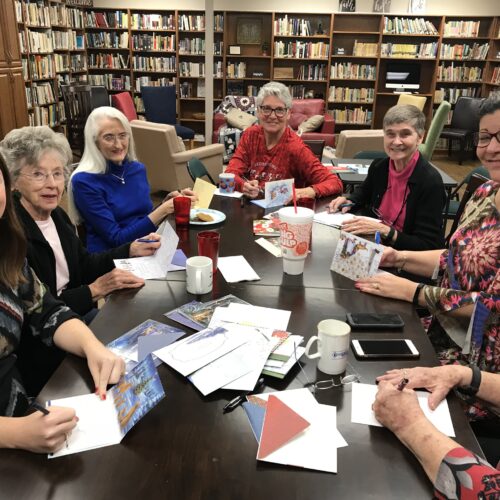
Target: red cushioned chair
[123, 102]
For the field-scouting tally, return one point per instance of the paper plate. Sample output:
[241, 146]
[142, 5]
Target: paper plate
[217, 216]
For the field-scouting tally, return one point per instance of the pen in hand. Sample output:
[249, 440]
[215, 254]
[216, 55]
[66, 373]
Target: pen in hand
[145, 240]
[38, 407]
[402, 384]
[261, 191]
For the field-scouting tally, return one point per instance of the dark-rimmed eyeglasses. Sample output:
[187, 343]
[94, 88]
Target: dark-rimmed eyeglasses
[268, 111]
[483, 139]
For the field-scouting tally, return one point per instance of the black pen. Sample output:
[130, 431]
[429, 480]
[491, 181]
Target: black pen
[402, 384]
[238, 400]
[38, 407]
[261, 191]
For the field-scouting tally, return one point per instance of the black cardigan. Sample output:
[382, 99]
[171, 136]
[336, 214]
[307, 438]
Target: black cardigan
[422, 228]
[84, 267]
[37, 361]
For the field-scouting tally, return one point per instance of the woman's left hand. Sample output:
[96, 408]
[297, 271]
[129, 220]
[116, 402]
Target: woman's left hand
[190, 194]
[387, 285]
[143, 248]
[364, 225]
[105, 367]
[307, 192]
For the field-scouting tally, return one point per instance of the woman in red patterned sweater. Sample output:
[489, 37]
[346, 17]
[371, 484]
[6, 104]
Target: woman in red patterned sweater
[271, 151]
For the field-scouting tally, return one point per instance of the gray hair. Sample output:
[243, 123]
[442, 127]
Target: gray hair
[275, 89]
[405, 113]
[93, 161]
[26, 145]
[489, 106]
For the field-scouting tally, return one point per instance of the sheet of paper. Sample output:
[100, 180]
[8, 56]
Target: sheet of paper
[198, 350]
[147, 345]
[97, 425]
[337, 219]
[226, 369]
[316, 447]
[278, 193]
[248, 315]
[154, 266]
[357, 168]
[205, 191]
[363, 396]
[236, 269]
[260, 203]
[270, 246]
[234, 194]
[286, 366]
[356, 257]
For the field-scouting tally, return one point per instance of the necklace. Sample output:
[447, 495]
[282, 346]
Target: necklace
[121, 179]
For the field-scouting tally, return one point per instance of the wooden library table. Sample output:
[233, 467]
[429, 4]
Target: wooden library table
[186, 448]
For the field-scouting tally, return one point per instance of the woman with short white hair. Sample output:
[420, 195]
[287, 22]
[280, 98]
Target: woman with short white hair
[109, 190]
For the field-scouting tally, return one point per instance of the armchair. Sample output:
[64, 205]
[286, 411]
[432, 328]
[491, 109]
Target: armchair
[302, 109]
[159, 148]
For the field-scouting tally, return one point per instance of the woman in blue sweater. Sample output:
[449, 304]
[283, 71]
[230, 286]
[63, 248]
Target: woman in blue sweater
[109, 190]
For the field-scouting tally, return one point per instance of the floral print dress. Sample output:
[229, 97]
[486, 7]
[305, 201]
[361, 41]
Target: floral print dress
[469, 276]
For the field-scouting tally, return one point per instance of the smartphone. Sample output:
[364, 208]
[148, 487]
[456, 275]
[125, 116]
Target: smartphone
[375, 321]
[384, 348]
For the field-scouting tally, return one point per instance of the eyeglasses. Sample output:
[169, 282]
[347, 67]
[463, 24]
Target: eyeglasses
[268, 111]
[111, 138]
[482, 139]
[39, 177]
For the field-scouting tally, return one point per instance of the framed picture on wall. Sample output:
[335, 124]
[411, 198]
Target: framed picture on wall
[249, 31]
[347, 5]
[381, 6]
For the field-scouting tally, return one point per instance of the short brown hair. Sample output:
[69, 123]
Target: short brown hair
[12, 238]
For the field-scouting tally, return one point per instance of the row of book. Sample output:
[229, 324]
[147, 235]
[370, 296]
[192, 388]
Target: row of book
[160, 64]
[218, 69]
[107, 19]
[236, 70]
[191, 22]
[61, 62]
[364, 49]
[409, 26]
[292, 27]
[312, 72]
[147, 81]
[218, 22]
[152, 42]
[40, 94]
[108, 61]
[78, 62]
[191, 89]
[46, 115]
[451, 94]
[301, 50]
[42, 67]
[107, 40]
[297, 91]
[495, 77]
[111, 81]
[459, 73]
[464, 51]
[353, 71]
[67, 40]
[33, 14]
[409, 50]
[352, 115]
[462, 29]
[195, 46]
[191, 69]
[152, 22]
[253, 90]
[348, 94]
[40, 42]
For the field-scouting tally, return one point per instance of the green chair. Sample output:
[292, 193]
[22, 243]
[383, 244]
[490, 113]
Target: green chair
[369, 155]
[197, 170]
[435, 129]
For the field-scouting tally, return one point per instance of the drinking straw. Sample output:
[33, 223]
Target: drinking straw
[294, 197]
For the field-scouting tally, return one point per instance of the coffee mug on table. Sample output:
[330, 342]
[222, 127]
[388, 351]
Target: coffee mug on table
[199, 275]
[226, 183]
[333, 346]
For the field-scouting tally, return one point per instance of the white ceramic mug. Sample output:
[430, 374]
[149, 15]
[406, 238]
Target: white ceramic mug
[199, 275]
[333, 346]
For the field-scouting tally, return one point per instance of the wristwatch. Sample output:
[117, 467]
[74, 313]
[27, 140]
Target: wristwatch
[388, 237]
[473, 387]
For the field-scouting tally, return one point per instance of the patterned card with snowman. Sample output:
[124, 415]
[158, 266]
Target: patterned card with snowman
[356, 257]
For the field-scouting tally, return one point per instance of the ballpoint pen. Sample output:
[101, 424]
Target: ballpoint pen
[377, 237]
[402, 384]
[238, 400]
[145, 240]
[261, 191]
[38, 407]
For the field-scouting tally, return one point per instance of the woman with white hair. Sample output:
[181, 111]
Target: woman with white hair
[109, 190]
[271, 151]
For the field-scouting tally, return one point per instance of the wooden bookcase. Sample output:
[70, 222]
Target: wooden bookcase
[341, 57]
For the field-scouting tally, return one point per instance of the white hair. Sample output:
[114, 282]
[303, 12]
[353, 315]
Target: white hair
[92, 161]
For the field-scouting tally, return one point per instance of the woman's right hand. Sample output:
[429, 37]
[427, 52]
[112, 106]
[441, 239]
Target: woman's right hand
[334, 205]
[251, 188]
[41, 433]
[114, 280]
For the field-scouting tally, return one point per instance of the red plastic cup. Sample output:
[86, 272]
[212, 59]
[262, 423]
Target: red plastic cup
[307, 203]
[182, 207]
[208, 246]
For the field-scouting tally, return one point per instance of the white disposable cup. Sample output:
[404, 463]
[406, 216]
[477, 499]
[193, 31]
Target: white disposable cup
[295, 237]
[199, 275]
[226, 183]
[333, 346]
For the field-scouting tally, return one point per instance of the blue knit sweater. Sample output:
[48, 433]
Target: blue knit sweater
[114, 212]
